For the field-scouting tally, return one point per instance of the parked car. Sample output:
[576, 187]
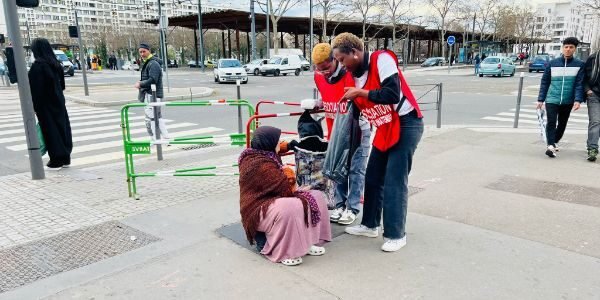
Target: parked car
[497, 66]
[433, 61]
[514, 58]
[304, 63]
[209, 64]
[130, 65]
[282, 65]
[539, 63]
[65, 62]
[230, 70]
[2, 67]
[253, 67]
[172, 64]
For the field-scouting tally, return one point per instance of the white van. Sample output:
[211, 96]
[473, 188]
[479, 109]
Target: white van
[65, 62]
[284, 64]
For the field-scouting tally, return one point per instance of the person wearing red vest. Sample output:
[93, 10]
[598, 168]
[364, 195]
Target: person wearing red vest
[331, 79]
[385, 99]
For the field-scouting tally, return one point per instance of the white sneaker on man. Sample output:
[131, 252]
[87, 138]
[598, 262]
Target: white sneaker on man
[393, 245]
[347, 218]
[362, 230]
[336, 214]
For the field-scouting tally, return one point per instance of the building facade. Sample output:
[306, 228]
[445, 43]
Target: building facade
[96, 17]
[557, 21]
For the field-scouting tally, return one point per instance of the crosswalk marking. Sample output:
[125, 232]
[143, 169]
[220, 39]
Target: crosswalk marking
[117, 155]
[573, 114]
[116, 133]
[116, 121]
[573, 120]
[509, 120]
[83, 116]
[83, 130]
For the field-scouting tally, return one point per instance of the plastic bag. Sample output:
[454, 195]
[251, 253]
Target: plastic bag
[345, 136]
[308, 126]
[40, 135]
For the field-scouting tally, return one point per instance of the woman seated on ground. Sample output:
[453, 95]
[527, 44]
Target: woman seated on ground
[269, 202]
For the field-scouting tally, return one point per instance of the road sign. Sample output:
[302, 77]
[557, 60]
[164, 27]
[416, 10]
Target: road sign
[451, 40]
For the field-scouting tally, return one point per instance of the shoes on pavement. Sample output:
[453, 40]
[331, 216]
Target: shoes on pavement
[316, 251]
[53, 166]
[393, 245]
[347, 218]
[292, 261]
[592, 154]
[362, 230]
[336, 214]
[551, 151]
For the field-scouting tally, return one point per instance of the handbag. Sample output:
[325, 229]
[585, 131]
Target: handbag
[43, 149]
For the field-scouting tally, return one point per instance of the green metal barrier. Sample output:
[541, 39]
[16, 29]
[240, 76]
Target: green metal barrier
[140, 147]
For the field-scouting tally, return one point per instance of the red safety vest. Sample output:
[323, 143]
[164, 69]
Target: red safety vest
[331, 95]
[384, 116]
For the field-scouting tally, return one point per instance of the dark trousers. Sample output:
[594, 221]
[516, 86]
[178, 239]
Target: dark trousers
[386, 180]
[558, 116]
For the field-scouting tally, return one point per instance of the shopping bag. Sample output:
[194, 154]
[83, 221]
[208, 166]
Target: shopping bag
[310, 157]
[345, 136]
[540, 116]
[40, 135]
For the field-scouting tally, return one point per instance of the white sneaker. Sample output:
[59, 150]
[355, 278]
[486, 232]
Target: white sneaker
[551, 151]
[347, 217]
[393, 245]
[362, 230]
[336, 214]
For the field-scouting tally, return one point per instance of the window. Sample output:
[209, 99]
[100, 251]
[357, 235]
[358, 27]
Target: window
[285, 61]
[555, 47]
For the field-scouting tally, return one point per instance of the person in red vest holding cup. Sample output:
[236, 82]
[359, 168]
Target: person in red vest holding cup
[331, 78]
[385, 99]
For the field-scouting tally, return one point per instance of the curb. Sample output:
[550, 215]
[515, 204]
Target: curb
[88, 102]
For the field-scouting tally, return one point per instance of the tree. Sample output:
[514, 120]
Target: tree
[363, 7]
[524, 19]
[442, 8]
[486, 10]
[394, 13]
[277, 12]
[592, 4]
[331, 9]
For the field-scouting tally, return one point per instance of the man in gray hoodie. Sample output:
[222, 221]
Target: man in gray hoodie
[151, 73]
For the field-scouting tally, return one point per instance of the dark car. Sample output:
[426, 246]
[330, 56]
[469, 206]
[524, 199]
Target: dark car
[433, 61]
[539, 63]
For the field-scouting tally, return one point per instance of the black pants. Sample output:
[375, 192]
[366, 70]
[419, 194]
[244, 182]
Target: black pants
[558, 116]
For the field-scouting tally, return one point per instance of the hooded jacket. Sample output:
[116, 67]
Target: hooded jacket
[562, 82]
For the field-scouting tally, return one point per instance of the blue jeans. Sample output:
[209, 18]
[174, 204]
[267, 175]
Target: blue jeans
[476, 69]
[386, 181]
[347, 194]
[593, 103]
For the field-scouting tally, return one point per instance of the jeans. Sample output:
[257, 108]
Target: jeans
[347, 194]
[476, 69]
[593, 103]
[386, 180]
[558, 116]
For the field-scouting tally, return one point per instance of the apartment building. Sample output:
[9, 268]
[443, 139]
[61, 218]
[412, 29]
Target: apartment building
[52, 18]
[557, 21]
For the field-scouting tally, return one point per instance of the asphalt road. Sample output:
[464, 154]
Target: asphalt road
[467, 101]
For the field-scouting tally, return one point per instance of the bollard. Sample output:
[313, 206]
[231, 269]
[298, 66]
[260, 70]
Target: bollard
[156, 111]
[439, 107]
[518, 109]
[315, 93]
[239, 97]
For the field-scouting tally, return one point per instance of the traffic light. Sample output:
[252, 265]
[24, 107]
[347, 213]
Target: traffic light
[73, 31]
[28, 3]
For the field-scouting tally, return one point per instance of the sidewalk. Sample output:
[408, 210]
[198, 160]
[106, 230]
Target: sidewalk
[103, 96]
[494, 218]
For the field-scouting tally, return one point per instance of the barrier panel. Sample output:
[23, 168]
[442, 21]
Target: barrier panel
[142, 146]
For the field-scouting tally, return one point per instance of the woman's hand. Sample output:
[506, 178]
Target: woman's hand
[353, 93]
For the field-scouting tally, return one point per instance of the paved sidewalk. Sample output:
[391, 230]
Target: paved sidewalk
[494, 219]
[118, 95]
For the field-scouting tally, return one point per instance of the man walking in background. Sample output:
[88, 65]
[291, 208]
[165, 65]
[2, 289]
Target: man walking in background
[151, 73]
[562, 91]
[592, 90]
